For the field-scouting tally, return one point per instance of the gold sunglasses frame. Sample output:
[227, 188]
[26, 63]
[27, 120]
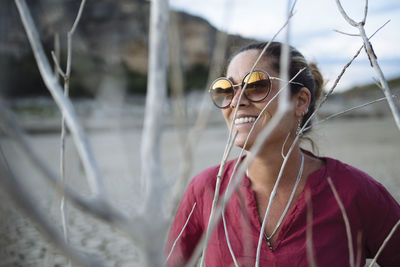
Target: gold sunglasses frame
[244, 85]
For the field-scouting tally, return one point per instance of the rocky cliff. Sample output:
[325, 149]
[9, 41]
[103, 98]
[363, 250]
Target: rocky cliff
[112, 39]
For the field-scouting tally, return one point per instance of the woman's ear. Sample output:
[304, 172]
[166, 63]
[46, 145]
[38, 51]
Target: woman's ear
[302, 101]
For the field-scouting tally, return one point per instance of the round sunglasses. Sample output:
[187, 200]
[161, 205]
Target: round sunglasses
[222, 90]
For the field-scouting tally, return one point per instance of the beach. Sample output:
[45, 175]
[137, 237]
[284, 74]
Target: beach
[370, 144]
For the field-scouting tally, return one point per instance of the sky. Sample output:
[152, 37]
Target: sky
[312, 31]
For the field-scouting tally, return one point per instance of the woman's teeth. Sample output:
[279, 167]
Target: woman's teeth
[244, 120]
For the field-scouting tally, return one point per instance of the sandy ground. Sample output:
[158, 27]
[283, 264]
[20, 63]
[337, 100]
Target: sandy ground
[372, 145]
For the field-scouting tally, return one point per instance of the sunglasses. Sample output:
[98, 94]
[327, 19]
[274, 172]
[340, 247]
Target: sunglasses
[222, 90]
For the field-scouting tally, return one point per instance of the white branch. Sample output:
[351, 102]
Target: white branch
[385, 86]
[180, 233]
[346, 222]
[67, 77]
[155, 99]
[23, 198]
[344, 14]
[365, 12]
[58, 67]
[373, 60]
[85, 153]
[385, 242]
[336, 115]
[281, 109]
[228, 241]
[96, 206]
[346, 33]
[283, 106]
[309, 238]
[216, 196]
[154, 220]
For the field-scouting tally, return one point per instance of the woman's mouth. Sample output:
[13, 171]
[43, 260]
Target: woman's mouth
[244, 120]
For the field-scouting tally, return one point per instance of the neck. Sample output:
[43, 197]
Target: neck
[266, 167]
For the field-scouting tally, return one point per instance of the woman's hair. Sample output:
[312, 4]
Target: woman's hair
[310, 77]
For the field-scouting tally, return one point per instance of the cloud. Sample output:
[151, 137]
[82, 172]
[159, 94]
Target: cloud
[312, 30]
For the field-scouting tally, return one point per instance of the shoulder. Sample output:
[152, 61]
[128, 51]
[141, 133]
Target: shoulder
[370, 207]
[351, 179]
[360, 190]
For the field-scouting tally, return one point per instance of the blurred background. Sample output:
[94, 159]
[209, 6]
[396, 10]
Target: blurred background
[108, 87]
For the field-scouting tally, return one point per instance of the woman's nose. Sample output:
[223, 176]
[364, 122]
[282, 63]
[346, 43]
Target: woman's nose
[235, 100]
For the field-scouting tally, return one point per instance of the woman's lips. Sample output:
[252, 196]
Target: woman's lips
[242, 120]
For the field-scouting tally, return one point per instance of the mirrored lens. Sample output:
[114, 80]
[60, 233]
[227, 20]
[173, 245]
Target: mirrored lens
[258, 85]
[221, 92]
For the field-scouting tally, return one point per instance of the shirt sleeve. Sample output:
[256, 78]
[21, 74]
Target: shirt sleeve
[188, 225]
[383, 214]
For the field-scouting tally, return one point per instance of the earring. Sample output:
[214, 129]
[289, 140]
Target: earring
[298, 130]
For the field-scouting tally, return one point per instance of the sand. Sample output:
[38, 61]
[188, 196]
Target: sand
[371, 144]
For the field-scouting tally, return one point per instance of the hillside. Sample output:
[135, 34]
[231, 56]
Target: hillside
[372, 89]
[111, 41]
[360, 95]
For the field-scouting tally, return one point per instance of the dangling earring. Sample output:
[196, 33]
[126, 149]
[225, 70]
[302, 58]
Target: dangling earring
[298, 130]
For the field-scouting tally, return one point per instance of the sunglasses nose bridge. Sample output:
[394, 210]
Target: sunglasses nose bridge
[236, 95]
[236, 88]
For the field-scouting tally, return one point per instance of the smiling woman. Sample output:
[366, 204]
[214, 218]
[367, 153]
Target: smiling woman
[333, 189]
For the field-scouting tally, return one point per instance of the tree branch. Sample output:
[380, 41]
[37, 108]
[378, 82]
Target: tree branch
[85, 153]
[346, 222]
[373, 60]
[385, 242]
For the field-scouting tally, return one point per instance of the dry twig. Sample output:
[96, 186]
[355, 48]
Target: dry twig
[385, 242]
[309, 235]
[280, 111]
[80, 139]
[373, 59]
[24, 199]
[180, 233]
[346, 222]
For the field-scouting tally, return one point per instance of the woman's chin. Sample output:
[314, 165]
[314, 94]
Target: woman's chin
[239, 142]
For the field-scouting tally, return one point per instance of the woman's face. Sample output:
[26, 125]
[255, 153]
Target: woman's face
[240, 65]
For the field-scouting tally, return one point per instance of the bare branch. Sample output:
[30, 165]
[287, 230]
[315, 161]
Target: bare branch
[283, 107]
[338, 79]
[179, 111]
[349, 34]
[346, 222]
[180, 233]
[373, 60]
[385, 86]
[216, 195]
[365, 12]
[58, 67]
[78, 17]
[237, 173]
[228, 241]
[153, 217]
[85, 153]
[96, 206]
[156, 96]
[385, 242]
[323, 100]
[359, 248]
[309, 238]
[69, 37]
[344, 14]
[380, 28]
[339, 114]
[23, 198]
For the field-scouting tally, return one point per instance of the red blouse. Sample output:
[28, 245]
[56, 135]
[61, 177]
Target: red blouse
[371, 210]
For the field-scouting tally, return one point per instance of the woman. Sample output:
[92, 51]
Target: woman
[304, 188]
